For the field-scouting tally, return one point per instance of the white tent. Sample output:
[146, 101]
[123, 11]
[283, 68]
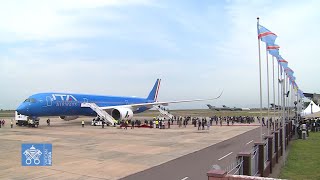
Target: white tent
[312, 106]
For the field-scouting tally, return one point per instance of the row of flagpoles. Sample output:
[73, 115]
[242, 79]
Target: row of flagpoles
[286, 78]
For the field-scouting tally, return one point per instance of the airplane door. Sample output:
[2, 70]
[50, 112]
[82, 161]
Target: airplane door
[49, 101]
[126, 101]
[85, 100]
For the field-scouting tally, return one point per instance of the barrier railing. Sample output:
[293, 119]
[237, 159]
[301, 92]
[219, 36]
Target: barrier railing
[255, 161]
[236, 168]
[265, 149]
[274, 145]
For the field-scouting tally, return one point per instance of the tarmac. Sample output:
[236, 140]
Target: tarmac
[110, 153]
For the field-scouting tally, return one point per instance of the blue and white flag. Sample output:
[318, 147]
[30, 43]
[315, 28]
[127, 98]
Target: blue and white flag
[273, 49]
[265, 35]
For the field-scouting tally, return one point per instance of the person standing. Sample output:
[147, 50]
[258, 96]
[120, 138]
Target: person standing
[48, 122]
[11, 123]
[203, 123]
[82, 123]
[132, 124]
[209, 124]
[199, 124]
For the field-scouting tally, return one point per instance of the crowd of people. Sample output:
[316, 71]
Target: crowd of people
[201, 122]
[305, 125]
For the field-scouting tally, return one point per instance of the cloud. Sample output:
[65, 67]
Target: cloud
[43, 20]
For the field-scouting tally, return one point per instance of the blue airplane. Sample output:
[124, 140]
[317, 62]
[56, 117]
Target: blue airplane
[69, 106]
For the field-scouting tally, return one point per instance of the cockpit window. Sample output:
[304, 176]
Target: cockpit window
[32, 100]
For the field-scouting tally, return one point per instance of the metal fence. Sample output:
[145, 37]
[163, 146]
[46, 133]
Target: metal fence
[235, 168]
[265, 149]
[255, 161]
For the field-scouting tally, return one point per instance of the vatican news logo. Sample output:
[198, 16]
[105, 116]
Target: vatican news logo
[36, 154]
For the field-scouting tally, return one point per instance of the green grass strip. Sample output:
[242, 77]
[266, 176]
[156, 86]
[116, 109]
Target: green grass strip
[304, 159]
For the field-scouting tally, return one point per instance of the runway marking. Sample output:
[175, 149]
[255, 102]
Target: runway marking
[225, 156]
[263, 134]
[185, 178]
[249, 142]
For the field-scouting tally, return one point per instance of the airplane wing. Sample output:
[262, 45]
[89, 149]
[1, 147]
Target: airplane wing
[150, 105]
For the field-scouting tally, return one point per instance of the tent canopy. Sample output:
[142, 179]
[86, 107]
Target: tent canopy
[311, 109]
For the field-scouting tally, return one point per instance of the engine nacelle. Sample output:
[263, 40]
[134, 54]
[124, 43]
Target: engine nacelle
[68, 118]
[122, 114]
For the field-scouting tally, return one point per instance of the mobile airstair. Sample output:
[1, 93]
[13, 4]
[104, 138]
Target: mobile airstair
[101, 113]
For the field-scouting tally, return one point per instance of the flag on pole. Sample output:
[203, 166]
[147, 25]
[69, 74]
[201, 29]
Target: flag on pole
[265, 35]
[295, 86]
[301, 93]
[282, 62]
[287, 69]
[292, 79]
[273, 49]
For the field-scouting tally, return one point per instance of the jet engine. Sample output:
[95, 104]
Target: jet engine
[122, 114]
[68, 118]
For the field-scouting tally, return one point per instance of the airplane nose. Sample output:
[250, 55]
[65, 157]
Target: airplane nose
[22, 109]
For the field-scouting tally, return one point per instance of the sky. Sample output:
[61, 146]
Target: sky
[120, 47]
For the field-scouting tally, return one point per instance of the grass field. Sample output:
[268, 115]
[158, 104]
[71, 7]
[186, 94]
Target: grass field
[303, 159]
[7, 113]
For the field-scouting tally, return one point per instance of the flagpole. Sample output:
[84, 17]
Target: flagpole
[260, 81]
[288, 89]
[268, 123]
[285, 99]
[290, 100]
[283, 115]
[279, 108]
[274, 94]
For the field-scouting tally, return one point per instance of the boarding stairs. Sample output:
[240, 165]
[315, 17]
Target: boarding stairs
[163, 112]
[103, 114]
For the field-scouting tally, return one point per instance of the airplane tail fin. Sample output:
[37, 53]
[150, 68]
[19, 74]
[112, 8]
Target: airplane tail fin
[209, 106]
[153, 95]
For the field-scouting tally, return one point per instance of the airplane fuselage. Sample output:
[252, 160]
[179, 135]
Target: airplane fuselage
[69, 104]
